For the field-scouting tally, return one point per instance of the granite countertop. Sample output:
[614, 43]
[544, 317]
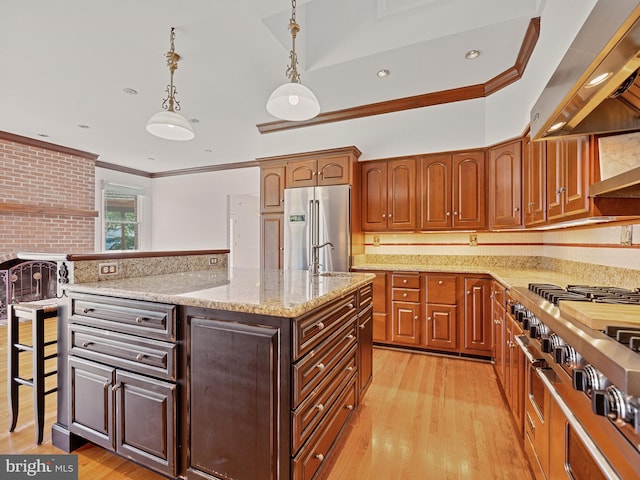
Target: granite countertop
[508, 277]
[265, 292]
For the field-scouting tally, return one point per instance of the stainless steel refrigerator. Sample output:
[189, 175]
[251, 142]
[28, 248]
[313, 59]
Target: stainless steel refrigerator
[317, 217]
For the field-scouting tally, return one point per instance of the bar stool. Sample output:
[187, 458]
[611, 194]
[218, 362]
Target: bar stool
[37, 312]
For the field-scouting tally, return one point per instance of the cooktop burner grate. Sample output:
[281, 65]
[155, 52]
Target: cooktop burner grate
[586, 293]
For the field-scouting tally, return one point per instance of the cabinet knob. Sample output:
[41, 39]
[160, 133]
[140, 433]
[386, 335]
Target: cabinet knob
[448, 214]
[384, 215]
[517, 209]
[351, 306]
[320, 325]
[139, 320]
[389, 215]
[282, 200]
[362, 326]
[320, 366]
[404, 281]
[349, 406]
[440, 282]
[319, 456]
[455, 213]
[350, 368]
[405, 295]
[468, 292]
[416, 317]
[140, 356]
[428, 319]
[320, 407]
[350, 337]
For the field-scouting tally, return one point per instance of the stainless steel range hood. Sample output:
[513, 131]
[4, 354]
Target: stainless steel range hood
[608, 42]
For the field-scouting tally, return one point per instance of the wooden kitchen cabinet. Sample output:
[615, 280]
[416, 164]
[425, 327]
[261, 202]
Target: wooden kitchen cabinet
[389, 195]
[452, 191]
[381, 319]
[498, 313]
[365, 339]
[272, 184]
[330, 170]
[272, 241]
[406, 308]
[505, 186]
[441, 331]
[568, 175]
[515, 364]
[478, 324]
[534, 182]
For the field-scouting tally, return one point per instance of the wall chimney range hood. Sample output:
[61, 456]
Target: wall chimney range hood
[608, 43]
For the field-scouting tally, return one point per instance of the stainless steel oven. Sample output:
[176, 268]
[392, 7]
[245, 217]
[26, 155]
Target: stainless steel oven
[578, 424]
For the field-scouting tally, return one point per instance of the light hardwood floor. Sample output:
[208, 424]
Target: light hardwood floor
[424, 417]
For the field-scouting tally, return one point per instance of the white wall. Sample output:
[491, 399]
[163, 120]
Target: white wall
[113, 176]
[190, 211]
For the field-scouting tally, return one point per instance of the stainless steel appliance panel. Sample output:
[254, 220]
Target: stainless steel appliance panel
[315, 216]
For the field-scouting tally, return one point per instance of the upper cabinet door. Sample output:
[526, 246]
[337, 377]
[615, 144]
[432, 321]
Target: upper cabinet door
[554, 178]
[469, 191]
[302, 173]
[534, 183]
[272, 185]
[435, 192]
[577, 156]
[374, 196]
[505, 186]
[334, 170]
[401, 211]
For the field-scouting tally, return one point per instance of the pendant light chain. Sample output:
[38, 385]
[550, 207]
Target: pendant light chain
[294, 28]
[170, 103]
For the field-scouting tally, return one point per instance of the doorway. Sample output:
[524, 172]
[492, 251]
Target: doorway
[244, 230]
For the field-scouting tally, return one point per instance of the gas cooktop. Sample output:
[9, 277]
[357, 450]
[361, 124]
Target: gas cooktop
[586, 293]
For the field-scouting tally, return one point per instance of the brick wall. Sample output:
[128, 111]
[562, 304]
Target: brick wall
[47, 197]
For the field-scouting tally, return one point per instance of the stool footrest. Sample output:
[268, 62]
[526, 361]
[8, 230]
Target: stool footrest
[52, 342]
[53, 390]
[49, 357]
[48, 374]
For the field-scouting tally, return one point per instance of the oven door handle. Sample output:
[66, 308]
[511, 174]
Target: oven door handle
[593, 450]
[536, 362]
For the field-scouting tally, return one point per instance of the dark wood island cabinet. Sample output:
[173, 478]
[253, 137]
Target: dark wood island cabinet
[192, 386]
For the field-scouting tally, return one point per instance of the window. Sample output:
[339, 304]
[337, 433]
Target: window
[121, 217]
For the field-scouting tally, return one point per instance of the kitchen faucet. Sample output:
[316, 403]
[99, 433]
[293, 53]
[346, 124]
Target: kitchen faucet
[315, 257]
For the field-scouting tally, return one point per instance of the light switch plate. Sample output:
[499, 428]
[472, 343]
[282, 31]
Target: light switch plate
[626, 232]
[473, 240]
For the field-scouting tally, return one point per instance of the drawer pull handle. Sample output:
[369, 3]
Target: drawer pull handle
[350, 368]
[115, 388]
[405, 294]
[106, 384]
[440, 282]
[139, 320]
[87, 310]
[350, 336]
[320, 407]
[320, 325]
[320, 366]
[404, 281]
[140, 357]
[349, 407]
[86, 344]
[319, 456]
[362, 325]
[350, 306]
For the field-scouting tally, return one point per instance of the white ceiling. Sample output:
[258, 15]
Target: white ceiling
[66, 62]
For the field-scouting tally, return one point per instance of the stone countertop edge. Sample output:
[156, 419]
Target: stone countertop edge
[242, 296]
[508, 277]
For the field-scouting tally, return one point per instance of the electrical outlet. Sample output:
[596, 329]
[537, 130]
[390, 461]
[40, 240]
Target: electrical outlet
[626, 232]
[473, 240]
[213, 261]
[107, 268]
[376, 240]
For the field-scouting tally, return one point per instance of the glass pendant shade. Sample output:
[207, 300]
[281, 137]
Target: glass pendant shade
[294, 102]
[170, 126]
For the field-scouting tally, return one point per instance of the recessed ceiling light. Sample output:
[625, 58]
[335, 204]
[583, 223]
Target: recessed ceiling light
[383, 73]
[130, 91]
[44, 135]
[83, 126]
[556, 126]
[598, 80]
[471, 54]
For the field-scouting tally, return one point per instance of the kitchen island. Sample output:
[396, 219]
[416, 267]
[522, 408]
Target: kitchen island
[230, 374]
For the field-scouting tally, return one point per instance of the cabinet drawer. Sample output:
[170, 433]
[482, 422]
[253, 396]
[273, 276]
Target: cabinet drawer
[309, 415]
[311, 330]
[309, 372]
[441, 289]
[365, 297]
[406, 295]
[147, 319]
[136, 354]
[406, 280]
[310, 458]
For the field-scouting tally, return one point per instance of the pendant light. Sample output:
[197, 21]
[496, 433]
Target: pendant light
[293, 101]
[169, 124]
